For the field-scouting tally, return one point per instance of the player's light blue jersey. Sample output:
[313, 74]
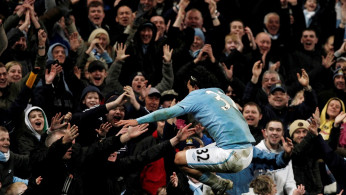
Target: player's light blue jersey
[216, 112]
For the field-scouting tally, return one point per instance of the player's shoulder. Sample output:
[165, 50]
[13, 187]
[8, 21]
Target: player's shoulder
[216, 90]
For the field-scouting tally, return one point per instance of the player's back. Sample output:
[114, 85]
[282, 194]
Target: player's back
[223, 121]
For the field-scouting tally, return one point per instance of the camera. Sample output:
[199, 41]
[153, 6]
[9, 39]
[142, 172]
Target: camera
[56, 62]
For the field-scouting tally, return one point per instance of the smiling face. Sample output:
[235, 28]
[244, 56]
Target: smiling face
[124, 16]
[14, 74]
[309, 40]
[273, 133]
[237, 27]
[152, 103]
[97, 77]
[103, 40]
[3, 77]
[4, 141]
[268, 80]
[252, 115]
[96, 15]
[263, 42]
[36, 119]
[137, 83]
[159, 23]
[197, 43]
[273, 24]
[299, 135]
[194, 19]
[59, 54]
[310, 5]
[115, 115]
[91, 99]
[148, 4]
[231, 42]
[333, 109]
[146, 35]
[339, 82]
[278, 99]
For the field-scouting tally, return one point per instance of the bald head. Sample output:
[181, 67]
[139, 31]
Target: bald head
[194, 19]
[263, 42]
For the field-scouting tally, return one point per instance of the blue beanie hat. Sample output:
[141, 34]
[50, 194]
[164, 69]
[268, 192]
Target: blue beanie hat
[199, 33]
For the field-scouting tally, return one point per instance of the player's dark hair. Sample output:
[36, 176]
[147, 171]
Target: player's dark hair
[202, 78]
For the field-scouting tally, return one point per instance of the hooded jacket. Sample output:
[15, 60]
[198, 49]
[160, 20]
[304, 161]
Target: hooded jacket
[326, 124]
[30, 138]
[50, 50]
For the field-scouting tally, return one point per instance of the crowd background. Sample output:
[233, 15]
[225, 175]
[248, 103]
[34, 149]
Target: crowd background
[73, 69]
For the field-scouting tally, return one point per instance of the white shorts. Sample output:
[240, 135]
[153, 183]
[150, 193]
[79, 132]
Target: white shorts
[214, 159]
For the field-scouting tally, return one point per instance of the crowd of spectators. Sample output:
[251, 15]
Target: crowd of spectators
[71, 69]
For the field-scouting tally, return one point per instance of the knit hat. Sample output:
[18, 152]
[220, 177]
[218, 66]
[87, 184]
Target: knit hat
[91, 88]
[298, 124]
[96, 32]
[199, 33]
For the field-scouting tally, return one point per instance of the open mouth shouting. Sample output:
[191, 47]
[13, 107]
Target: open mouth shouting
[38, 125]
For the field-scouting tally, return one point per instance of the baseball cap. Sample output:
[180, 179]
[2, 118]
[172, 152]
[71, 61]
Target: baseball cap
[276, 87]
[298, 124]
[153, 91]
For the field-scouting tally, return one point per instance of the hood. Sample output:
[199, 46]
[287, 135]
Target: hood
[28, 124]
[50, 50]
[325, 124]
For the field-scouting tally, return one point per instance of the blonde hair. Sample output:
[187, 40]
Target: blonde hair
[232, 36]
[262, 185]
[10, 64]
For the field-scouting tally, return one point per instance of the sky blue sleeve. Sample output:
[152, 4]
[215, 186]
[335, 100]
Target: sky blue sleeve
[266, 160]
[17, 179]
[162, 114]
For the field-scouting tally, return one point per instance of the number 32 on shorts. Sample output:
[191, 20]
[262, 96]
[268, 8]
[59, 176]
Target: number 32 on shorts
[202, 154]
